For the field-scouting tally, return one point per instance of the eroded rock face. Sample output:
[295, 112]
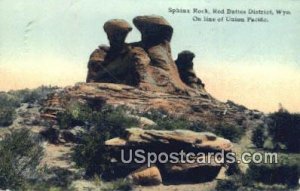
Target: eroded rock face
[147, 65]
[185, 67]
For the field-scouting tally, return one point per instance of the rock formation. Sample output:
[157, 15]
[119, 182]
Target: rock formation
[185, 67]
[178, 141]
[147, 65]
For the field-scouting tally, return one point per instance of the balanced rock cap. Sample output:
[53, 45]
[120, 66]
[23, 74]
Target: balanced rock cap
[116, 25]
[141, 21]
[152, 23]
[186, 53]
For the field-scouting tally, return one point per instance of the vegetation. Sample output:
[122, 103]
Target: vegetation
[259, 136]
[231, 132]
[19, 156]
[102, 125]
[166, 122]
[282, 132]
[120, 184]
[11, 100]
[283, 175]
[8, 104]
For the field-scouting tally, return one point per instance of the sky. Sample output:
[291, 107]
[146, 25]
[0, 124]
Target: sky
[253, 64]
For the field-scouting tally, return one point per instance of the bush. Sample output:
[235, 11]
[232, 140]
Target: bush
[285, 129]
[258, 137]
[7, 116]
[19, 157]
[76, 114]
[233, 133]
[11, 100]
[8, 104]
[105, 124]
[32, 96]
[287, 174]
[164, 121]
[121, 184]
[282, 132]
[235, 182]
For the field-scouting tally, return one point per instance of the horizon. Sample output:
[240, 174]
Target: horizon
[256, 65]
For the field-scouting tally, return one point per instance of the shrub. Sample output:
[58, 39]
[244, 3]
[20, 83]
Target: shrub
[281, 133]
[7, 116]
[11, 100]
[8, 104]
[233, 133]
[287, 174]
[285, 129]
[76, 114]
[107, 123]
[120, 184]
[8, 101]
[233, 169]
[258, 137]
[32, 96]
[235, 182]
[164, 121]
[19, 157]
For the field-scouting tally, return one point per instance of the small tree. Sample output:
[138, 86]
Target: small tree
[285, 129]
[258, 137]
[19, 157]
[105, 124]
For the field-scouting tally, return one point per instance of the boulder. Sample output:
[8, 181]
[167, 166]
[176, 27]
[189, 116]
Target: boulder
[177, 141]
[184, 139]
[146, 176]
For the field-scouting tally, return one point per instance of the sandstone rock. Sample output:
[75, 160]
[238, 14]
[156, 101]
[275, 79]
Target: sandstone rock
[143, 121]
[189, 107]
[117, 30]
[185, 66]
[95, 64]
[147, 64]
[154, 29]
[146, 176]
[177, 141]
[185, 138]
